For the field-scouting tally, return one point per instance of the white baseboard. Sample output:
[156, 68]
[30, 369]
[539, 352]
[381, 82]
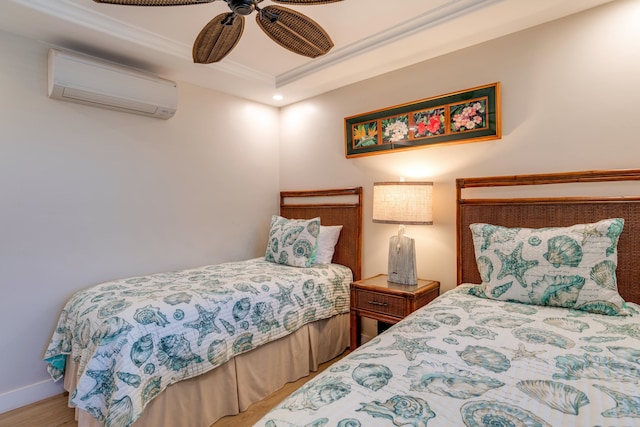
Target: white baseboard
[29, 394]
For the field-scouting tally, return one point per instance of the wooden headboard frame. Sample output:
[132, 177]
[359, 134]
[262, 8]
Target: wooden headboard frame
[334, 207]
[552, 211]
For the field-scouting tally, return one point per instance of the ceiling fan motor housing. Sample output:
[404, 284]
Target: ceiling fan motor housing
[242, 7]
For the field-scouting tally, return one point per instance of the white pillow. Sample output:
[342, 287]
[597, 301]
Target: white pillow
[327, 240]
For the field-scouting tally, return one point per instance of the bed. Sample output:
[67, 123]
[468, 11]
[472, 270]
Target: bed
[189, 347]
[542, 329]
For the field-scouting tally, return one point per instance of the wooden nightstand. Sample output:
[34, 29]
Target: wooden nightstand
[376, 298]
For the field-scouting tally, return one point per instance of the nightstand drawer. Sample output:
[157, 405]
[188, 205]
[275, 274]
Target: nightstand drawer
[380, 303]
[377, 298]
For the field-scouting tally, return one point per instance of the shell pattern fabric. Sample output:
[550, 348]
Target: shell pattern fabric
[131, 338]
[542, 366]
[292, 241]
[573, 267]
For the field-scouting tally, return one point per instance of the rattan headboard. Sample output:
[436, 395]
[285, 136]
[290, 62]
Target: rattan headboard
[334, 207]
[536, 212]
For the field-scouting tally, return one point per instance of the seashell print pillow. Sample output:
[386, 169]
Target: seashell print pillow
[292, 241]
[573, 267]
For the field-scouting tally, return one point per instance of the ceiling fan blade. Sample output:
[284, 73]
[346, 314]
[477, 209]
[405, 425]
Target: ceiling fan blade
[154, 2]
[294, 31]
[218, 38]
[303, 2]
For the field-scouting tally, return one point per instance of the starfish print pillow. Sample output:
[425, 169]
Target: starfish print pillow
[572, 267]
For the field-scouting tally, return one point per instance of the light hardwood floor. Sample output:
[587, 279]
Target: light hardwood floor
[53, 412]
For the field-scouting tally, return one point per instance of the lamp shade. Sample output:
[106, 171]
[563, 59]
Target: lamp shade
[403, 202]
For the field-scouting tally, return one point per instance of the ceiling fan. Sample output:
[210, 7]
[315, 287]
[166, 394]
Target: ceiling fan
[290, 29]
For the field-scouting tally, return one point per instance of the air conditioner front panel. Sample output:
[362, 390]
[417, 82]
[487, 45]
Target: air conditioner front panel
[88, 81]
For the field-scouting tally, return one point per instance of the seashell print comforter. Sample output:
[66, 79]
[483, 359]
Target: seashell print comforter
[133, 337]
[467, 361]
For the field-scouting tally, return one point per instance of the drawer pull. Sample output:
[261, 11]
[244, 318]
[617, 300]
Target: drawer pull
[382, 304]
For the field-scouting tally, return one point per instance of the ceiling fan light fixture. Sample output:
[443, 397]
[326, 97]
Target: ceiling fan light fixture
[242, 7]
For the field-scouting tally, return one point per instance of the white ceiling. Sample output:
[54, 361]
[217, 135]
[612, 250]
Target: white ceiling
[371, 37]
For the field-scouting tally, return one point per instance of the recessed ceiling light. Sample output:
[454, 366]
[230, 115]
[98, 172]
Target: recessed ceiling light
[277, 97]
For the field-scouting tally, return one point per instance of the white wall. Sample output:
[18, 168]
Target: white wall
[90, 195]
[569, 96]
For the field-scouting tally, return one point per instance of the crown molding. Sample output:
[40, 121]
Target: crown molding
[443, 13]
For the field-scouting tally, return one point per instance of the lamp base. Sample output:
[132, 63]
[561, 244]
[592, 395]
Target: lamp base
[402, 260]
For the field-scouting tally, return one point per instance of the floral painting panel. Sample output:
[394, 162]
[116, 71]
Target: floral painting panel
[365, 134]
[395, 129]
[469, 116]
[429, 123]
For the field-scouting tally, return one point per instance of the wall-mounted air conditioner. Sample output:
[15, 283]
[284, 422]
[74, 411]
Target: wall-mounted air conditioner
[85, 80]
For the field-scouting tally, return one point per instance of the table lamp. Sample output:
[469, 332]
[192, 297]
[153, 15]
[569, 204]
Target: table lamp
[402, 203]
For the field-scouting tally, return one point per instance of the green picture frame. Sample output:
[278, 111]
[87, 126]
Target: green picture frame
[469, 115]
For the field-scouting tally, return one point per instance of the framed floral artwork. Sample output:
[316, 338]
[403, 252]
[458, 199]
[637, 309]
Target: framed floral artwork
[365, 134]
[395, 130]
[429, 123]
[466, 116]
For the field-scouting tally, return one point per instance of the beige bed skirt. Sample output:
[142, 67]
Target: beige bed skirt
[231, 388]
